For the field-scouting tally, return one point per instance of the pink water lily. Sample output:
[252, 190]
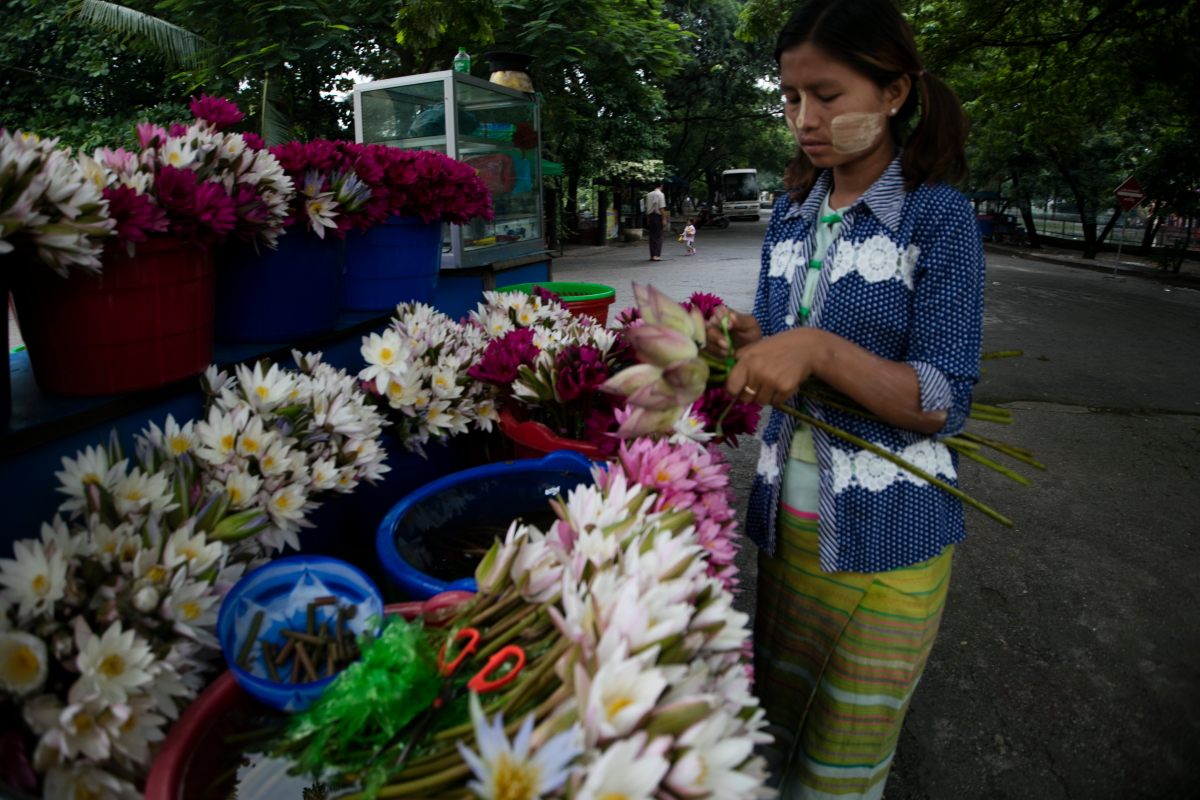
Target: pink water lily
[660, 345]
[658, 309]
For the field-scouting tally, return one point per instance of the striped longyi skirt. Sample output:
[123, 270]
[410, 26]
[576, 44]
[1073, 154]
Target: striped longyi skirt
[837, 657]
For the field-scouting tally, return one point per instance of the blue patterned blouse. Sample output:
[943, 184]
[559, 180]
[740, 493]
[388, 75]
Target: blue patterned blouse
[904, 280]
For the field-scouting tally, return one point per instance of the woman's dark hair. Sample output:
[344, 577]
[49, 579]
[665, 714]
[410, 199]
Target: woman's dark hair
[872, 38]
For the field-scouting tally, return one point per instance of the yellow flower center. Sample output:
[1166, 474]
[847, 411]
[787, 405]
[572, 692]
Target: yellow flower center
[262, 392]
[234, 494]
[22, 667]
[385, 354]
[283, 502]
[82, 723]
[190, 610]
[268, 462]
[250, 444]
[129, 724]
[85, 792]
[90, 477]
[514, 780]
[156, 573]
[174, 158]
[113, 665]
[662, 476]
[615, 706]
[189, 552]
[110, 546]
[180, 444]
[227, 441]
[40, 584]
[317, 207]
[613, 796]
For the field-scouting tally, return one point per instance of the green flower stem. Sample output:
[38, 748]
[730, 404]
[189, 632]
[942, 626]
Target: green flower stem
[544, 665]
[1009, 450]
[512, 633]
[420, 787]
[507, 623]
[504, 602]
[954, 441]
[1003, 470]
[979, 415]
[1000, 412]
[900, 462]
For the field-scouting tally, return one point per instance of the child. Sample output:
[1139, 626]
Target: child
[689, 237]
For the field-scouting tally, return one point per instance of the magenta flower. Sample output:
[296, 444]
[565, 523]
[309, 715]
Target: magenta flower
[598, 430]
[705, 302]
[741, 419]
[254, 142]
[200, 211]
[628, 317]
[15, 769]
[581, 369]
[136, 214]
[546, 295]
[179, 129]
[503, 357]
[218, 112]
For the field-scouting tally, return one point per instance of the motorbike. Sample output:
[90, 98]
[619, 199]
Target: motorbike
[708, 219]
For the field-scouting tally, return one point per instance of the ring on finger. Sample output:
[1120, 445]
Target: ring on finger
[751, 391]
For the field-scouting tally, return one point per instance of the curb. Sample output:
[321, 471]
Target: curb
[1181, 281]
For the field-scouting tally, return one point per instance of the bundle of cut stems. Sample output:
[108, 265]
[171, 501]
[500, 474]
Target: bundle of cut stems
[968, 444]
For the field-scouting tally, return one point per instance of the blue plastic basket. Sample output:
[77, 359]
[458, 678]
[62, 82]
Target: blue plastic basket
[394, 262]
[492, 495]
[282, 589]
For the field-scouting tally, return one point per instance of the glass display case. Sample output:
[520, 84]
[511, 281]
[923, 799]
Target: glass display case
[493, 128]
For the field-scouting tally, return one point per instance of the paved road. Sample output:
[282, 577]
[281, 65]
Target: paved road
[1068, 665]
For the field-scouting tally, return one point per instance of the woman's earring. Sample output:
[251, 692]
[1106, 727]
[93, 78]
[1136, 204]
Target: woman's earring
[893, 112]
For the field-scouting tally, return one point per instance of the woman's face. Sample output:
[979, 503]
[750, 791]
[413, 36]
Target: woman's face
[837, 115]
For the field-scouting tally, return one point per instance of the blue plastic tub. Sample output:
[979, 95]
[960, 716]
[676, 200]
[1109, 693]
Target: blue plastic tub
[278, 295]
[415, 540]
[394, 262]
[282, 590]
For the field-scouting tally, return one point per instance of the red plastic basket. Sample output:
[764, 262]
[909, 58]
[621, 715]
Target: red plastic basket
[144, 321]
[534, 440]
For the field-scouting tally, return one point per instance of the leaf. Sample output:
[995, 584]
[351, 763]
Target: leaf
[178, 45]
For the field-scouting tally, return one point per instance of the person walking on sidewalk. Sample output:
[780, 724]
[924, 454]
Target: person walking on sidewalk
[656, 217]
[689, 237]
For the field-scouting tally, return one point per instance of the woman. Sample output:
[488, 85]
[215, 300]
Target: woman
[872, 281]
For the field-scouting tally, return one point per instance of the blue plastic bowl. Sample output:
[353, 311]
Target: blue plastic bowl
[283, 589]
[484, 498]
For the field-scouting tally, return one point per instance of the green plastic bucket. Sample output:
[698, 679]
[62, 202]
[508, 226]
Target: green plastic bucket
[581, 299]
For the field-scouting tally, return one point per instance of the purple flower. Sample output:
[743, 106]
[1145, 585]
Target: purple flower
[598, 430]
[254, 142]
[216, 111]
[546, 295]
[741, 419]
[504, 356]
[581, 369]
[179, 129]
[150, 135]
[628, 317]
[136, 214]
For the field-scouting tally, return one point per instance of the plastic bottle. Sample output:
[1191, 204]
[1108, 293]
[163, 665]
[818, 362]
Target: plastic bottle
[462, 61]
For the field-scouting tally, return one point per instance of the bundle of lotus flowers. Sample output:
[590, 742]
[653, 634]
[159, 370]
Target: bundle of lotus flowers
[675, 370]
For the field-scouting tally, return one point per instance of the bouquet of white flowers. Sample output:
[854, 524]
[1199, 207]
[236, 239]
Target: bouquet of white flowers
[418, 367]
[48, 205]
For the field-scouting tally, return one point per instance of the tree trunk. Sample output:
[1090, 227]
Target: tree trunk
[1027, 215]
[1090, 248]
[551, 201]
[602, 222]
[1187, 243]
[571, 215]
[1107, 228]
[1148, 237]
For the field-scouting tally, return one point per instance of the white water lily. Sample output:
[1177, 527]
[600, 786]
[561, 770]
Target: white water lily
[110, 665]
[141, 728]
[508, 770]
[190, 607]
[620, 694]
[138, 490]
[628, 770]
[23, 663]
[90, 466]
[253, 440]
[386, 356]
[710, 761]
[286, 505]
[321, 211]
[191, 548]
[85, 782]
[325, 474]
[242, 488]
[218, 436]
[35, 580]
[265, 390]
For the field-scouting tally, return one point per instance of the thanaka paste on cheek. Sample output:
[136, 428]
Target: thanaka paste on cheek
[856, 132]
[794, 125]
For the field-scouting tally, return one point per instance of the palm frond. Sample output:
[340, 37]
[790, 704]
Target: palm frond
[276, 123]
[177, 45]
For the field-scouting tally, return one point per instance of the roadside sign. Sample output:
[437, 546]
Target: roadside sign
[1130, 193]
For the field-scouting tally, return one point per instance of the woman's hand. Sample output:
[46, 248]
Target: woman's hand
[743, 329]
[770, 370]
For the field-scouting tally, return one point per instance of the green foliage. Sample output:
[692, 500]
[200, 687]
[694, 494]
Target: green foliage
[62, 77]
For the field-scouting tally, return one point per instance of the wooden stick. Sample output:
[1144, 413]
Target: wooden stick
[302, 654]
[285, 652]
[248, 645]
[301, 637]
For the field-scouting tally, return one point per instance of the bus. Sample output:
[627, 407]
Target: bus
[739, 189]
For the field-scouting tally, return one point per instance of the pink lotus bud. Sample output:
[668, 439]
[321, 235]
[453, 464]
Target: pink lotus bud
[628, 381]
[661, 345]
[655, 396]
[658, 309]
[150, 135]
[643, 422]
[688, 378]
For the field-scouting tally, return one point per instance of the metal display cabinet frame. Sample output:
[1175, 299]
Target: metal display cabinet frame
[391, 111]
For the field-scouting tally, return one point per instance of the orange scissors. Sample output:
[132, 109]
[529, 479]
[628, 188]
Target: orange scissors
[481, 682]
